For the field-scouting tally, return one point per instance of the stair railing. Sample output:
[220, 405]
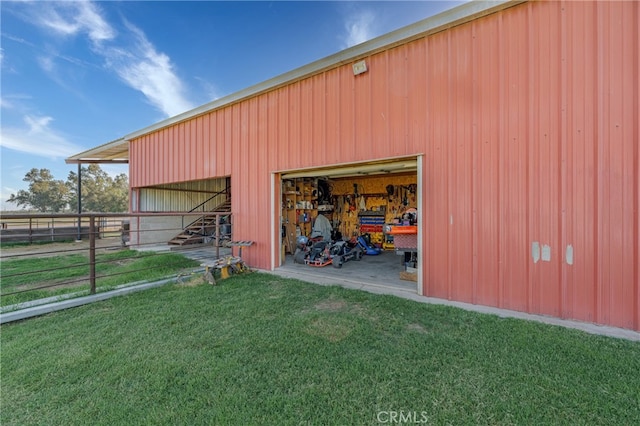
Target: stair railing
[225, 191]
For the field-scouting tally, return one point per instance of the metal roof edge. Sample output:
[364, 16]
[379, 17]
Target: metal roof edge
[442, 21]
[77, 158]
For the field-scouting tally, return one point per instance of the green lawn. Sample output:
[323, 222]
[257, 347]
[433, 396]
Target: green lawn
[71, 271]
[258, 349]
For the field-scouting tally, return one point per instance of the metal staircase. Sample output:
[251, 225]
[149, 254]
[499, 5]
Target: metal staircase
[202, 230]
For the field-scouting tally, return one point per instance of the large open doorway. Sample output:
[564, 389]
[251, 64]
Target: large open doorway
[374, 204]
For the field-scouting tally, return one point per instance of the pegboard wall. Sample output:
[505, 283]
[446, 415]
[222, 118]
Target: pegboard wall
[373, 196]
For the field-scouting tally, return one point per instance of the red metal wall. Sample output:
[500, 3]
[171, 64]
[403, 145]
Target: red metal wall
[528, 122]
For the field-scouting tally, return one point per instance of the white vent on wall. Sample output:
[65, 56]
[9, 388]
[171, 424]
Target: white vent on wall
[359, 67]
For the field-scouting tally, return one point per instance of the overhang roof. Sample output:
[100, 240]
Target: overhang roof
[118, 151]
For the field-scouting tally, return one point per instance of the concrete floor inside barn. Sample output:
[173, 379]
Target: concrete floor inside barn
[381, 271]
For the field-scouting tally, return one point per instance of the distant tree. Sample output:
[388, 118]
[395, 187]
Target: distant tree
[45, 194]
[100, 192]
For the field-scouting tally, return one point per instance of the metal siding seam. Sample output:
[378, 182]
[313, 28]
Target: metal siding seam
[349, 130]
[334, 131]
[514, 201]
[331, 112]
[474, 166]
[200, 141]
[209, 129]
[273, 149]
[324, 131]
[178, 137]
[452, 122]
[396, 116]
[241, 172]
[532, 93]
[598, 162]
[564, 270]
[142, 166]
[320, 108]
[546, 165]
[147, 161]
[282, 137]
[184, 152]
[636, 226]
[306, 127]
[405, 147]
[227, 136]
[177, 140]
[414, 86]
[194, 142]
[153, 149]
[439, 185]
[557, 252]
[573, 187]
[427, 173]
[379, 114]
[615, 167]
[295, 119]
[216, 144]
[397, 67]
[501, 147]
[132, 175]
[190, 158]
[174, 137]
[287, 118]
[629, 78]
[150, 159]
[205, 132]
[421, 228]
[493, 281]
[591, 199]
[163, 159]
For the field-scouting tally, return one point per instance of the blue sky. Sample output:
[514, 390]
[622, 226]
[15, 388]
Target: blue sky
[77, 74]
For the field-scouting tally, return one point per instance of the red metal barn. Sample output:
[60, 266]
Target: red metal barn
[518, 120]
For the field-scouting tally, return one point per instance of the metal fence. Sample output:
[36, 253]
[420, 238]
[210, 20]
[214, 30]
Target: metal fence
[59, 254]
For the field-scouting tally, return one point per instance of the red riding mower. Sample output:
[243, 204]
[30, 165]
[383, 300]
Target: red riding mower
[318, 252]
[312, 251]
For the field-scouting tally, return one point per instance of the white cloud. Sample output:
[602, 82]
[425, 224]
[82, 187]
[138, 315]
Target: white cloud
[358, 26]
[149, 71]
[46, 63]
[71, 18]
[212, 91]
[38, 138]
[129, 55]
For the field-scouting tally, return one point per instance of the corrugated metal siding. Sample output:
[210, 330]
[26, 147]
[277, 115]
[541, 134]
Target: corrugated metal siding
[528, 122]
[179, 197]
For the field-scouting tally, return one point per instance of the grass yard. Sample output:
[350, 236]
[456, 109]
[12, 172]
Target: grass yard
[259, 349]
[116, 268]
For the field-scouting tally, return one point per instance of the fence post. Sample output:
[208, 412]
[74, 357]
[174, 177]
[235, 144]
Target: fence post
[92, 254]
[217, 228]
[30, 230]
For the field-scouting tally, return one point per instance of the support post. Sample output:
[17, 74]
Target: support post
[217, 243]
[79, 238]
[92, 254]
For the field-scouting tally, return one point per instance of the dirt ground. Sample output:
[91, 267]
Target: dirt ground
[55, 249]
